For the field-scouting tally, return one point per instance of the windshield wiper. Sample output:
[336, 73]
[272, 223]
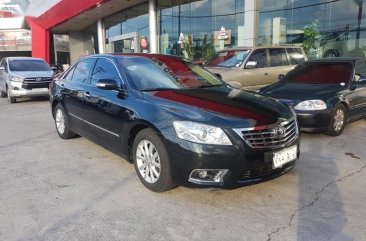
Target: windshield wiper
[209, 86]
[158, 89]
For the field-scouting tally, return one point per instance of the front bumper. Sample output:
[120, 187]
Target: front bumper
[314, 121]
[18, 90]
[242, 165]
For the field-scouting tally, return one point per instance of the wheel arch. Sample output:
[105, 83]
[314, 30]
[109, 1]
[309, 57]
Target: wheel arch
[136, 128]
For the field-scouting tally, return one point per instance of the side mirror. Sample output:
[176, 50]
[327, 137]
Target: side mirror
[107, 84]
[281, 76]
[2, 68]
[251, 65]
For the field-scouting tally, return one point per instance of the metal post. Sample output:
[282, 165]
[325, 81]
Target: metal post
[101, 39]
[153, 28]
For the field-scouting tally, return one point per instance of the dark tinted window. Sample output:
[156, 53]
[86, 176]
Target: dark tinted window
[278, 57]
[28, 65]
[320, 73]
[82, 70]
[166, 72]
[69, 74]
[259, 56]
[296, 56]
[104, 69]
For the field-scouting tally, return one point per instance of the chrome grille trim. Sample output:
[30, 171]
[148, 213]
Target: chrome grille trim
[263, 137]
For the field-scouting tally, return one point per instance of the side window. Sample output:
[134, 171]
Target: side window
[2, 63]
[296, 56]
[278, 57]
[6, 66]
[360, 68]
[104, 69]
[259, 56]
[69, 74]
[82, 70]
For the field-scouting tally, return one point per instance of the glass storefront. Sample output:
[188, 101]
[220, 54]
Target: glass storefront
[338, 26]
[326, 28]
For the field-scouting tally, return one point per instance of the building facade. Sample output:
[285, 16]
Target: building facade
[64, 30]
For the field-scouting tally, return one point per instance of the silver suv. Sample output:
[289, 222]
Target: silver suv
[255, 67]
[24, 77]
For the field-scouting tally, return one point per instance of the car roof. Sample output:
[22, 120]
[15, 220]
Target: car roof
[259, 47]
[336, 60]
[23, 58]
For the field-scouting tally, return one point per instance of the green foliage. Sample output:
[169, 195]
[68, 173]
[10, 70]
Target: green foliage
[207, 49]
[188, 47]
[311, 34]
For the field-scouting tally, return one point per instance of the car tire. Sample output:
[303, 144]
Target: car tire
[338, 120]
[10, 98]
[151, 161]
[62, 123]
[2, 94]
[331, 54]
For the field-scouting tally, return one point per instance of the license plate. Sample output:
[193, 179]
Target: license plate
[284, 156]
[40, 89]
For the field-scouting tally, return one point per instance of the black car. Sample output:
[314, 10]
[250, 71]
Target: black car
[325, 93]
[178, 123]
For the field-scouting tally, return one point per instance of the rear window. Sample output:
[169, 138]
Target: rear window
[320, 73]
[228, 59]
[28, 65]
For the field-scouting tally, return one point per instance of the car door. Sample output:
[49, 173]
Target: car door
[255, 78]
[359, 86]
[75, 84]
[279, 63]
[105, 109]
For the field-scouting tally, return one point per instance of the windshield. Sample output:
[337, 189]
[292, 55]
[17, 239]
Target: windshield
[320, 73]
[228, 59]
[28, 65]
[165, 72]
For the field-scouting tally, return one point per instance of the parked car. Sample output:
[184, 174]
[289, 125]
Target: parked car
[326, 93]
[24, 77]
[177, 123]
[256, 67]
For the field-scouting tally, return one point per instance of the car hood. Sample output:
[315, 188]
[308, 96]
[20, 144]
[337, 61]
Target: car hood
[33, 74]
[295, 92]
[222, 106]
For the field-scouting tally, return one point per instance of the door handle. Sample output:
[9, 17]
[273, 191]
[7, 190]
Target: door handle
[87, 95]
[265, 73]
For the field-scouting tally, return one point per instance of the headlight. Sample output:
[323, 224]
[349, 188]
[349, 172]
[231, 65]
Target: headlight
[16, 78]
[200, 133]
[311, 105]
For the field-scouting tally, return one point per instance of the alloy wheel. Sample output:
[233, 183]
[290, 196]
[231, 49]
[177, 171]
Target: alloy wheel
[148, 161]
[60, 121]
[338, 120]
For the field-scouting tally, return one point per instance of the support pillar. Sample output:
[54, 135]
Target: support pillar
[40, 41]
[251, 22]
[101, 38]
[153, 26]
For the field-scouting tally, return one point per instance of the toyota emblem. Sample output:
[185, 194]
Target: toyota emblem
[278, 131]
[38, 79]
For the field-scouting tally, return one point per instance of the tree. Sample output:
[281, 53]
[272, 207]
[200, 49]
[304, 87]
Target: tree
[311, 34]
[188, 47]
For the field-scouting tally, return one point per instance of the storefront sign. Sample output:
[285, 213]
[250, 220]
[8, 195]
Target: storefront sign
[143, 42]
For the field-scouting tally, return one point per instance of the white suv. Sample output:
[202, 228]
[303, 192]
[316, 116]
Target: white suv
[24, 77]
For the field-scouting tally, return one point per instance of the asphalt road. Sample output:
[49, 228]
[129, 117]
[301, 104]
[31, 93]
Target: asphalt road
[54, 189]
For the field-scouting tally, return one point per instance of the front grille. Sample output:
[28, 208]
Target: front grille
[270, 137]
[32, 83]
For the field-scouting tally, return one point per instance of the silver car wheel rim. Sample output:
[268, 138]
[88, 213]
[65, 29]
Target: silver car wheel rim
[148, 161]
[60, 121]
[338, 120]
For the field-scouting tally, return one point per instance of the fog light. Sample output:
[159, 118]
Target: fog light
[208, 176]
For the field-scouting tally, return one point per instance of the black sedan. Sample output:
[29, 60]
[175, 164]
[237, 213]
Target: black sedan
[178, 123]
[326, 93]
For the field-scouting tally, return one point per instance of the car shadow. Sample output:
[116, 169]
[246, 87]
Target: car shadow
[35, 99]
